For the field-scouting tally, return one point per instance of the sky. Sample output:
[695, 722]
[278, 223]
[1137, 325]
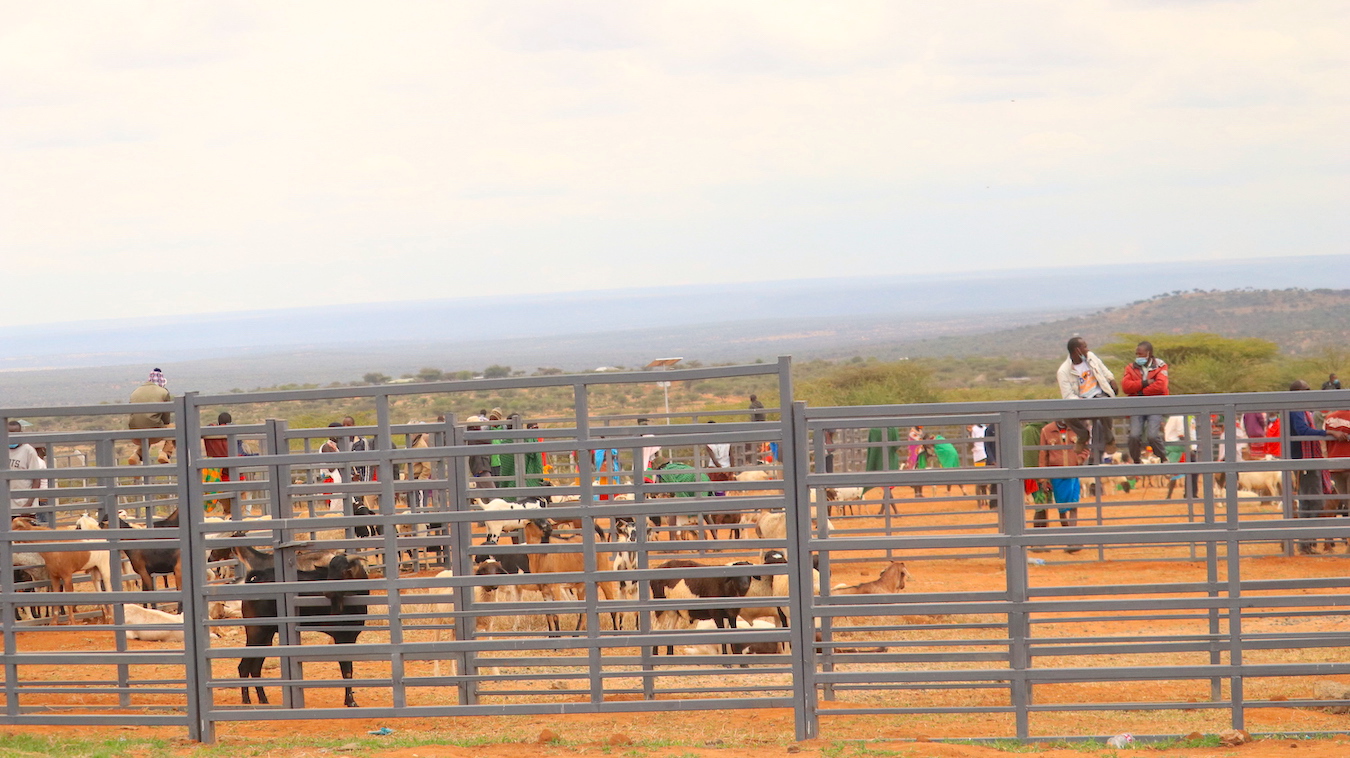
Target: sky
[191, 157]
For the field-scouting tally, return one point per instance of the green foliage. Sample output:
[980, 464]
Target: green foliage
[871, 384]
[1181, 349]
[496, 372]
[430, 375]
[1201, 362]
[376, 377]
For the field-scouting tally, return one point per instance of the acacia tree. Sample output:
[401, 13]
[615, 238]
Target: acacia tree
[1200, 362]
[871, 384]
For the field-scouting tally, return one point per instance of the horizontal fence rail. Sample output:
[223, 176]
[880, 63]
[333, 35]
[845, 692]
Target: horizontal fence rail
[821, 559]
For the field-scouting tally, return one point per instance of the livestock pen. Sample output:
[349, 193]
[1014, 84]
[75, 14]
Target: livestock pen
[1201, 592]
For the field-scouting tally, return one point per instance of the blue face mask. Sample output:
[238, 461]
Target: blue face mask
[1141, 361]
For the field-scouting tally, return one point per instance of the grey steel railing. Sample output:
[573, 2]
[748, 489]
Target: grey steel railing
[436, 645]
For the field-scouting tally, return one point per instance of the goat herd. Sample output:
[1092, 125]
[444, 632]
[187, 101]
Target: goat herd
[522, 521]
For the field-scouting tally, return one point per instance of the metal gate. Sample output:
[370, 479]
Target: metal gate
[1201, 592]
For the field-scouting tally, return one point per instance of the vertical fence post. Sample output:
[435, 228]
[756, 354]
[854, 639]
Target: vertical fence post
[797, 505]
[461, 539]
[1233, 548]
[1011, 505]
[196, 627]
[7, 587]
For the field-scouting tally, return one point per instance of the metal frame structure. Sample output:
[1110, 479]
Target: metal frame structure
[997, 648]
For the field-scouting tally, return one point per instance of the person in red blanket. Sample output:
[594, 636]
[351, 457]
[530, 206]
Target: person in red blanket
[1311, 489]
[1146, 377]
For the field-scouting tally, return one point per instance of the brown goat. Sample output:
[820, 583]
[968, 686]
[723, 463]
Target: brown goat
[892, 580]
[540, 532]
[64, 564]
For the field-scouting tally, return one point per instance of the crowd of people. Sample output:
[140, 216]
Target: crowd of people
[1073, 442]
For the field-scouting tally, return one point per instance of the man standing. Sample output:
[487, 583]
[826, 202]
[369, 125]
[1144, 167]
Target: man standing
[22, 457]
[1031, 488]
[755, 406]
[1332, 383]
[1083, 376]
[1310, 488]
[983, 453]
[1146, 377]
[1055, 440]
[1338, 422]
[219, 447]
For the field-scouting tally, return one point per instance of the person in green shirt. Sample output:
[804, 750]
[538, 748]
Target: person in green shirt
[881, 458]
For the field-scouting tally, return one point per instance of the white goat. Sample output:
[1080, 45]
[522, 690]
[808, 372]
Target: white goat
[495, 528]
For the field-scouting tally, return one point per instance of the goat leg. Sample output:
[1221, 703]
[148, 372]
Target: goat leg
[349, 697]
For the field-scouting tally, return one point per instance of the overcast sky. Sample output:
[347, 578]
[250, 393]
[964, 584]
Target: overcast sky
[178, 157]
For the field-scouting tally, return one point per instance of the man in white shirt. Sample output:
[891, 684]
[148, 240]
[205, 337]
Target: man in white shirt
[1083, 376]
[22, 457]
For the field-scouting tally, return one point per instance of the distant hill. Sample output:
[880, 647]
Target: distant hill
[980, 312]
[1299, 321]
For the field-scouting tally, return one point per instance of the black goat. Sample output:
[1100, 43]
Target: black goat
[147, 562]
[343, 631]
[364, 530]
[701, 587]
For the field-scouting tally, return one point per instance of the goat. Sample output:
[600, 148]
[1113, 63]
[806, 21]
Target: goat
[503, 565]
[752, 648]
[147, 562]
[28, 573]
[135, 614]
[891, 581]
[773, 586]
[540, 531]
[845, 496]
[495, 528]
[625, 530]
[343, 630]
[63, 565]
[699, 587]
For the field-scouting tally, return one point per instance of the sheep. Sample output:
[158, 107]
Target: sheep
[892, 580]
[699, 587]
[343, 631]
[773, 525]
[1267, 483]
[63, 565]
[540, 532]
[135, 614]
[225, 609]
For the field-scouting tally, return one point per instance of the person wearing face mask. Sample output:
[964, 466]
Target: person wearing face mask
[1146, 377]
[1083, 376]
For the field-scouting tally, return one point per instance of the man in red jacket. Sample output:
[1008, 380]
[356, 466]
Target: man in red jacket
[1146, 376]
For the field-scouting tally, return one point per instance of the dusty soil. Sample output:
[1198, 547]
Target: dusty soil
[769, 731]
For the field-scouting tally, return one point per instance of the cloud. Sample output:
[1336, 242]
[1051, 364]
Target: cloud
[322, 151]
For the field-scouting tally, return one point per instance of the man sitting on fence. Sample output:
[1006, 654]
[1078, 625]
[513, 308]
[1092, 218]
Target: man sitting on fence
[1083, 376]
